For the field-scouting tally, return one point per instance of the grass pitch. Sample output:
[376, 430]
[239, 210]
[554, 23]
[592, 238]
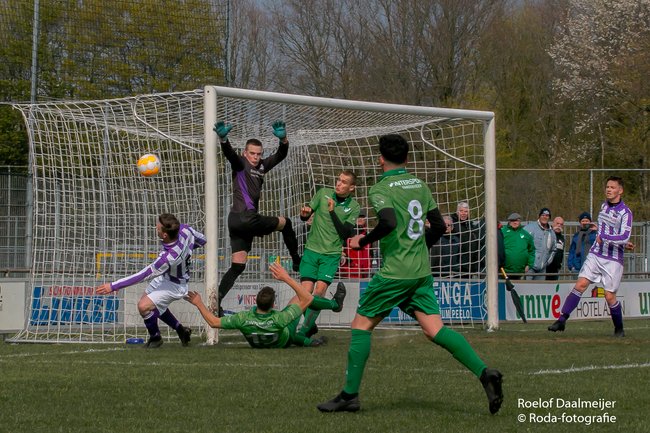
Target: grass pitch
[410, 384]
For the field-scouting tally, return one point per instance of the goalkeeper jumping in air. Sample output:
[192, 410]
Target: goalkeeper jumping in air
[244, 221]
[402, 203]
[265, 327]
[172, 273]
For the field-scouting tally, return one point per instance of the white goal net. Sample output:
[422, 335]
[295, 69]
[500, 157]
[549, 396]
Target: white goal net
[94, 215]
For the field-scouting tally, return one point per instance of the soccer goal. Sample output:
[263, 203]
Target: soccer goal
[94, 215]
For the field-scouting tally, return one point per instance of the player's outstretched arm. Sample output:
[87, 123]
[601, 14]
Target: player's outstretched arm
[104, 289]
[195, 299]
[304, 297]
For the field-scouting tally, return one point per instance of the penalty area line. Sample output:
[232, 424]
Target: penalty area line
[591, 368]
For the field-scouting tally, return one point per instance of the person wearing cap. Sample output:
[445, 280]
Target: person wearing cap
[545, 242]
[581, 242]
[519, 247]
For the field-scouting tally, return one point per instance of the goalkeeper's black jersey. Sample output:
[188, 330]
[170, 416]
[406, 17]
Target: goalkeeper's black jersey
[247, 180]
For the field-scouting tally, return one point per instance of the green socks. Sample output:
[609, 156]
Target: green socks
[320, 303]
[357, 356]
[456, 344]
[311, 313]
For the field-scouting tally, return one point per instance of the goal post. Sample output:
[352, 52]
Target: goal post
[94, 215]
[330, 121]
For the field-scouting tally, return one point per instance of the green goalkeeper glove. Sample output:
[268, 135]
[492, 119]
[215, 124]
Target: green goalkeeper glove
[280, 129]
[222, 130]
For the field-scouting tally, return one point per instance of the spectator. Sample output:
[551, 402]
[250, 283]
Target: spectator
[445, 253]
[356, 263]
[471, 239]
[545, 241]
[581, 242]
[501, 248]
[519, 247]
[558, 260]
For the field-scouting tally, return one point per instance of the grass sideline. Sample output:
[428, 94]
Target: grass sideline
[410, 384]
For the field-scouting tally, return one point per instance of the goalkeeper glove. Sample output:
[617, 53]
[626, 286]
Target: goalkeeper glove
[280, 129]
[222, 130]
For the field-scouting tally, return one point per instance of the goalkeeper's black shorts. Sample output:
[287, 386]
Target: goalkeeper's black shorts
[244, 226]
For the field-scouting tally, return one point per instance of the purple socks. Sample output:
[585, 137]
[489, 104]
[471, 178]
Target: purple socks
[570, 304]
[617, 315]
[169, 319]
[151, 322]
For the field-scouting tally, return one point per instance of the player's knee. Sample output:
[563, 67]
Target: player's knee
[144, 307]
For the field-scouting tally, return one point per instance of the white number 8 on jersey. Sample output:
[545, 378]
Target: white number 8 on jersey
[415, 210]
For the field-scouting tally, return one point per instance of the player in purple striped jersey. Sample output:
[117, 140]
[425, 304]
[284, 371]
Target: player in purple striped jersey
[170, 273]
[605, 260]
[244, 220]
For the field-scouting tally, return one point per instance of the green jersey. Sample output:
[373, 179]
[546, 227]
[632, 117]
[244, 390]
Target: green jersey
[323, 237]
[268, 330]
[404, 251]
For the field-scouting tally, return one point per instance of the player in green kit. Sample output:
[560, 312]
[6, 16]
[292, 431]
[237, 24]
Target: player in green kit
[334, 213]
[402, 203]
[262, 326]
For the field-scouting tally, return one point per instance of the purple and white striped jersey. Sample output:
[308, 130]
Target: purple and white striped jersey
[173, 262]
[614, 228]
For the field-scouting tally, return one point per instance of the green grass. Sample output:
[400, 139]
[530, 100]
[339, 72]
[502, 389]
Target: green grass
[410, 385]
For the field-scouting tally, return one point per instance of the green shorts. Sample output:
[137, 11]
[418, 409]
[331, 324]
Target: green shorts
[384, 294]
[319, 267]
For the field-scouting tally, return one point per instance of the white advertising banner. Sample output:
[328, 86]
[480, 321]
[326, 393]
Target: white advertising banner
[543, 300]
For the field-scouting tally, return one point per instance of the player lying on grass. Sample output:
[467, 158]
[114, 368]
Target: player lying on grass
[265, 327]
[170, 272]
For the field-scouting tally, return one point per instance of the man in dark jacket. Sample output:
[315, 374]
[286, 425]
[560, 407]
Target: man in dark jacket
[558, 259]
[471, 237]
[581, 242]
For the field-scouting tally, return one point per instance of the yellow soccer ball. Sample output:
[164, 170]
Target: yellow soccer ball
[149, 165]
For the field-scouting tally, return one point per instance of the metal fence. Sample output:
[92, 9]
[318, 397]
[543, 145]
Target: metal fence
[14, 233]
[14, 211]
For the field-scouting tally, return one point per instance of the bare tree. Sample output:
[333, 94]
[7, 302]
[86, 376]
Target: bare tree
[253, 64]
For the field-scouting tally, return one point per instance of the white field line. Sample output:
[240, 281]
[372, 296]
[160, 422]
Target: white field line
[591, 368]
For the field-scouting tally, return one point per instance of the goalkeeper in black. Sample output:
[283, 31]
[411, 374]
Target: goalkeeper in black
[244, 221]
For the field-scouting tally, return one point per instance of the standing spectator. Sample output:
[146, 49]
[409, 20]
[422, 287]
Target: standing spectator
[471, 238]
[581, 242]
[545, 241]
[519, 247]
[555, 266]
[445, 253]
[501, 248]
[356, 263]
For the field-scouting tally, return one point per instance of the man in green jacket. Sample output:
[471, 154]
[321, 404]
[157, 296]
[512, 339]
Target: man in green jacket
[519, 247]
